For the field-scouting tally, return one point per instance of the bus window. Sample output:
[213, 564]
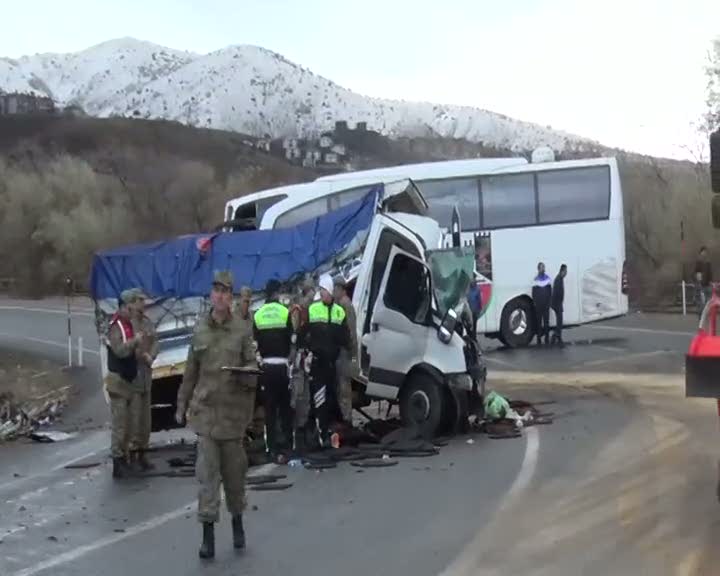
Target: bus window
[302, 213]
[574, 195]
[508, 201]
[347, 197]
[443, 195]
[261, 206]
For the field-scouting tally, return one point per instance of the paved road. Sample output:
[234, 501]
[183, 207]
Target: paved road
[623, 482]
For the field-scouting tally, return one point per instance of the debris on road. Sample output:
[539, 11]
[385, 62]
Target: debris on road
[277, 486]
[33, 393]
[82, 465]
[375, 463]
[51, 436]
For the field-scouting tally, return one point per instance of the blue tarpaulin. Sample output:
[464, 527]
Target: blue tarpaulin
[183, 267]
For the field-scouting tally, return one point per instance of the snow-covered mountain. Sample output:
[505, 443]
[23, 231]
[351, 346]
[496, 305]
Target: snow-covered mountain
[251, 90]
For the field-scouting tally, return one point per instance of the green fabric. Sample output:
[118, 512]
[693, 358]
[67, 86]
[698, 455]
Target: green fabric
[319, 313]
[496, 406]
[271, 316]
[452, 271]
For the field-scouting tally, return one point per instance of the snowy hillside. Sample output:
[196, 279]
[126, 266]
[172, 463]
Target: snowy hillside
[247, 89]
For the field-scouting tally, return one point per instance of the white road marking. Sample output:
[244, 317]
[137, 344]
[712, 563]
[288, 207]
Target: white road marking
[150, 524]
[46, 342]
[633, 356]
[469, 562]
[612, 349]
[74, 312]
[527, 470]
[498, 361]
[645, 331]
[26, 479]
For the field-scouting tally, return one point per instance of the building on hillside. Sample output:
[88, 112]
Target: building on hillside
[326, 140]
[16, 103]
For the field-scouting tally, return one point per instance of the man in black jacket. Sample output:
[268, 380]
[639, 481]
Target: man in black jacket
[558, 297]
[541, 293]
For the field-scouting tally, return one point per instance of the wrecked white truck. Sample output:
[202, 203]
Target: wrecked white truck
[413, 351]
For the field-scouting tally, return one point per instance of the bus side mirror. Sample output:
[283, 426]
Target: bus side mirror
[447, 326]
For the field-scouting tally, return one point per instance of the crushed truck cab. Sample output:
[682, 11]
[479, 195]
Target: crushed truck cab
[411, 348]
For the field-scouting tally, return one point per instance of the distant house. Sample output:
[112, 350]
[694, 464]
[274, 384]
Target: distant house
[263, 144]
[339, 149]
[291, 144]
[293, 154]
[16, 103]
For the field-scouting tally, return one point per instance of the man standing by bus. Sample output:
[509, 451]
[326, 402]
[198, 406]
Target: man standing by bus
[558, 297]
[703, 279]
[542, 294]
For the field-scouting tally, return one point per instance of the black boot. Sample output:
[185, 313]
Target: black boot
[121, 468]
[238, 532]
[207, 550]
[143, 463]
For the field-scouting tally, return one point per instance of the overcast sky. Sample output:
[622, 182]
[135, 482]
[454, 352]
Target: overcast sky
[628, 73]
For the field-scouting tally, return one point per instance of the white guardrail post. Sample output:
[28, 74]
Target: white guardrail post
[684, 298]
[80, 351]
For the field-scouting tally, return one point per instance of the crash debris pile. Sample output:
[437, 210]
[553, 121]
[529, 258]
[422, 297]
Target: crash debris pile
[505, 418]
[18, 419]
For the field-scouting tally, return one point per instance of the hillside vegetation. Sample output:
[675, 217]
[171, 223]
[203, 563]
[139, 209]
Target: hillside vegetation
[70, 186]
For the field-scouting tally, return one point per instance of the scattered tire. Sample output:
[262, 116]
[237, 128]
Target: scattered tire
[517, 323]
[422, 404]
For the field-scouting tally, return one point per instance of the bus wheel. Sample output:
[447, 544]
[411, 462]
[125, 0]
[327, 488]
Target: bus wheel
[422, 403]
[517, 323]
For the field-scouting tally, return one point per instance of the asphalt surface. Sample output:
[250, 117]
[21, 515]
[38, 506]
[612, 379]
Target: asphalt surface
[623, 482]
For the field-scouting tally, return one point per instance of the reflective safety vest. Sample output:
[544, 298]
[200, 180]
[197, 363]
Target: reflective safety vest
[272, 329]
[326, 331]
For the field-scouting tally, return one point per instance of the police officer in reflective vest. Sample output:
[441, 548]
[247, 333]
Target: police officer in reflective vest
[324, 335]
[273, 332]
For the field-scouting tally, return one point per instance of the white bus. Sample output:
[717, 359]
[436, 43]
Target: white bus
[515, 213]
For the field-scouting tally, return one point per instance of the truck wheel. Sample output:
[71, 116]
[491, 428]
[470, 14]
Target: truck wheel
[422, 404]
[455, 412]
[517, 323]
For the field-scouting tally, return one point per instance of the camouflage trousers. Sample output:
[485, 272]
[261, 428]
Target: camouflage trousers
[140, 420]
[120, 424]
[300, 397]
[131, 421]
[220, 462]
[345, 371]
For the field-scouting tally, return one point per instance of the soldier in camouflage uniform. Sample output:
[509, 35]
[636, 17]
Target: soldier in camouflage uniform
[141, 400]
[219, 405]
[347, 360]
[122, 342]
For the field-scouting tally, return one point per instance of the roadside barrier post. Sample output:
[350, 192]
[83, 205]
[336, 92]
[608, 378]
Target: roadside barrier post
[684, 298]
[80, 352]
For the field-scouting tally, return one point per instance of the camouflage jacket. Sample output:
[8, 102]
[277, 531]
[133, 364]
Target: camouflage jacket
[218, 403]
[149, 345]
[122, 348]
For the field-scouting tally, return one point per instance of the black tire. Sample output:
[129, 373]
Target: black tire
[455, 412]
[422, 404]
[517, 323]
